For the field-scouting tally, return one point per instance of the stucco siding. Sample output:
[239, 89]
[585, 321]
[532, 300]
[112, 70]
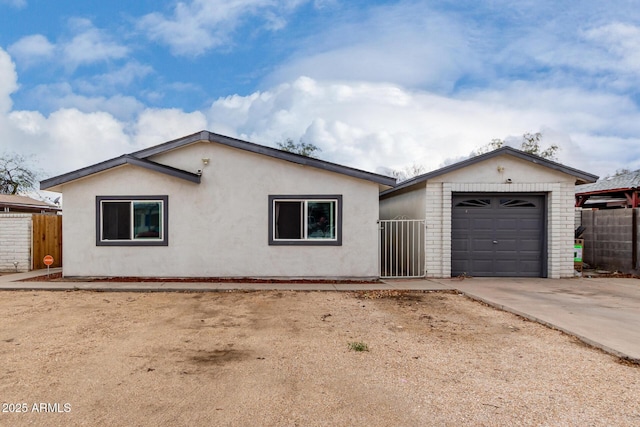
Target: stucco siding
[219, 228]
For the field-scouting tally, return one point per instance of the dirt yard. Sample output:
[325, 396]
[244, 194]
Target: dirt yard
[284, 359]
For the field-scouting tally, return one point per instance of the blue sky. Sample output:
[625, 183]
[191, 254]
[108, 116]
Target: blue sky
[372, 83]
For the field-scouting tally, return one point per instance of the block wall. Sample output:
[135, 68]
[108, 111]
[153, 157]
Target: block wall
[608, 239]
[15, 242]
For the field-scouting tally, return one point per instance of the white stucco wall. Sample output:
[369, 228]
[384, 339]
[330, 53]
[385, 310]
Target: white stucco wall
[219, 228]
[15, 242]
[491, 176]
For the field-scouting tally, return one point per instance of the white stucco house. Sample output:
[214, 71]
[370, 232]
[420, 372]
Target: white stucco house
[504, 213]
[207, 205]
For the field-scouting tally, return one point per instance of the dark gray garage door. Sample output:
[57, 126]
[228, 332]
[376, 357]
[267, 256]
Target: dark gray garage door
[498, 235]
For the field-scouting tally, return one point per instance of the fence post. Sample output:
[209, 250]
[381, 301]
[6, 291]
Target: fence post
[634, 238]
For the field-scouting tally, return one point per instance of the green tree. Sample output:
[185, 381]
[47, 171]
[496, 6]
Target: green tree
[302, 148]
[530, 144]
[15, 174]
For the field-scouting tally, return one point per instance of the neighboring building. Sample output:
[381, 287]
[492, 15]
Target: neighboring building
[503, 213]
[610, 230]
[10, 203]
[620, 191]
[207, 205]
[29, 229]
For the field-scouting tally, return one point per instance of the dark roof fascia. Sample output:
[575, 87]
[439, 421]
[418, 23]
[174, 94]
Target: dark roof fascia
[266, 151]
[168, 170]
[584, 176]
[170, 145]
[118, 161]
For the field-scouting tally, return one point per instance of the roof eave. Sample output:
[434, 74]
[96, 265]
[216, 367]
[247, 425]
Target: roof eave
[300, 159]
[51, 183]
[34, 207]
[578, 174]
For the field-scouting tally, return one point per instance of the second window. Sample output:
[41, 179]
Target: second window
[314, 220]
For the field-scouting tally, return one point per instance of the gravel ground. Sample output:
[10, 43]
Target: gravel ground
[283, 359]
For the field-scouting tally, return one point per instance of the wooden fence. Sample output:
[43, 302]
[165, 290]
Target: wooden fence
[47, 239]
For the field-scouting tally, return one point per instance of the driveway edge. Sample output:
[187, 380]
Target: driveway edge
[548, 324]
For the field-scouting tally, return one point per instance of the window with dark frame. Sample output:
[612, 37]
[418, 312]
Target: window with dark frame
[305, 220]
[131, 221]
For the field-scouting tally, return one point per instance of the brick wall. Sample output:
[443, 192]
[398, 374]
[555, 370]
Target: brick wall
[15, 242]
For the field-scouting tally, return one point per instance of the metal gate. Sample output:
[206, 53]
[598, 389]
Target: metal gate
[401, 244]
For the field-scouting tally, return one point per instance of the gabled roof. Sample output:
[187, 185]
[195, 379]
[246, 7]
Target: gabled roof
[578, 174]
[628, 181]
[140, 158]
[266, 151]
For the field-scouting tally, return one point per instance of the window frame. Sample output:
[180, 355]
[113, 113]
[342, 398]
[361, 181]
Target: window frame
[163, 241]
[306, 198]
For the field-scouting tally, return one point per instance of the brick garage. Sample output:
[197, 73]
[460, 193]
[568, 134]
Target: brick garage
[504, 213]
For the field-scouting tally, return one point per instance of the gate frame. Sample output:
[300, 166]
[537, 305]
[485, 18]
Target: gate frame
[399, 249]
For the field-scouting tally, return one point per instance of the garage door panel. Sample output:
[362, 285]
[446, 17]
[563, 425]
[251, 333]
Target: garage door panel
[515, 222]
[482, 224]
[529, 246]
[480, 267]
[506, 245]
[482, 245]
[460, 223]
[506, 224]
[461, 265]
[461, 245]
[506, 265]
[532, 224]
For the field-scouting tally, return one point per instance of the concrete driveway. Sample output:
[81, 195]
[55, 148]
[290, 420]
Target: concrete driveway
[603, 312]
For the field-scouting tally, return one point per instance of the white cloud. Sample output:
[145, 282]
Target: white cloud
[61, 95]
[32, 49]
[408, 44]
[8, 81]
[86, 45]
[90, 45]
[621, 42]
[198, 26]
[81, 139]
[155, 126]
[66, 140]
[115, 80]
[369, 125]
[360, 124]
[125, 75]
